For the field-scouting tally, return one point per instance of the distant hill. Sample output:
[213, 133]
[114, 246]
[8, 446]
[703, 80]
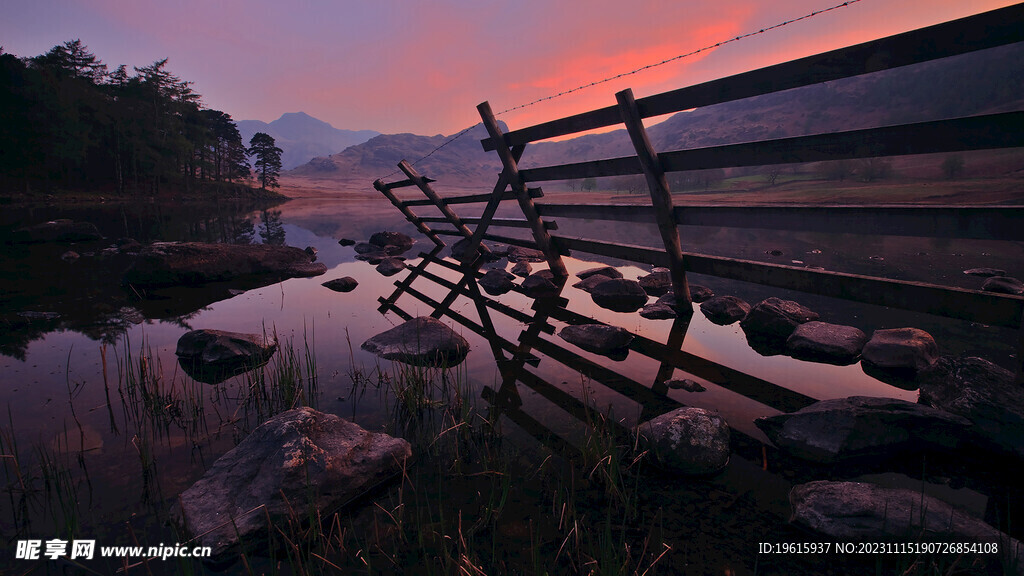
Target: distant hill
[977, 83]
[303, 137]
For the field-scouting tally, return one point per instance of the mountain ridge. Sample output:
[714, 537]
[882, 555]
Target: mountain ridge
[302, 137]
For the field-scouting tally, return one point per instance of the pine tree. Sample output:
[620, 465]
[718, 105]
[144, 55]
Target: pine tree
[268, 159]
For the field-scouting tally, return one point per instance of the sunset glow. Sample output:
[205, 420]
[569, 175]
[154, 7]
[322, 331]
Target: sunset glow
[423, 67]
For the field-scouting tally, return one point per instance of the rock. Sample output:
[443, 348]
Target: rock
[400, 241]
[774, 252]
[981, 392]
[985, 272]
[70, 256]
[374, 258]
[656, 283]
[212, 356]
[497, 282]
[1003, 285]
[691, 441]
[904, 351]
[522, 269]
[776, 318]
[824, 342]
[423, 341]
[367, 248]
[311, 251]
[619, 295]
[346, 284]
[681, 308]
[606, 271]
[686, 384]
[346, 242]
[723, 310]
[61, 230]
[844, 429]
[298, 463]
[190, 263]
[861, 512]
[128, 245]
[390, 266]
[597, 338]
[590, 282]
[539, 285]
[518, 254]
[700, 293]
[658, 311]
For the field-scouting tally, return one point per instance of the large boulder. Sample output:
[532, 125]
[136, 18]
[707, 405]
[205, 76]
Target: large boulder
[422, 341]
[459, 251]
[497, 282]
[189, 263]
[690, 441]
[700, 293]
[597, 338]
[212, 356]
[860, 512]
[824, 342]
[776, 318]
[539, 285]
[904, 351]
[61, 230]
[620, 295]
[724, 310]
[853, 428]
[656, 283]
[590, 282]
[299, 462]
[981, 392]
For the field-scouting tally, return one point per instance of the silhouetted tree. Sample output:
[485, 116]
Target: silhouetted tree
[267, 159]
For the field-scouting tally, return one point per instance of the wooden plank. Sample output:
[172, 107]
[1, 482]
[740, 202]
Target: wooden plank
[492, 207]
[474, 198]
[452, 217]
[661, 197]
[974, 222]
[406, 183]
[404, 283]
[978, 32]
[512, 175]
[972, 305]
[506, 222]
[409, 214]
[1005, 130]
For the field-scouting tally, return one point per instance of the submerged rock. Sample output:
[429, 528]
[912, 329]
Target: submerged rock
[981, 392]
[189, 263]
[656, 283]
[901, 351]
[686, 384]
[690, 441]
[391, 266]
[212, 356]
[400, 241]
[518, 254]
[346, 284]
[497, 282]
[619, 295]
[852, 428]
[422, 341]
[824, 342]
[606, 271]
[776, 318]
[522, 269]
[1003, 285]
[724, 310]
[861, 512]
[539, 285]
[299, 462]
[597, 338]
[700, 293]
[61, 230]
[590, 282]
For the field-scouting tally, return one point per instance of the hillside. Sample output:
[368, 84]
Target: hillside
[303, 137]
[983, 82]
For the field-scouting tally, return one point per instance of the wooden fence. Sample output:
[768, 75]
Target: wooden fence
[989, 131]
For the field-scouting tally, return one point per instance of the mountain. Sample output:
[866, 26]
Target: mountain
[303, 137]
[982, 82]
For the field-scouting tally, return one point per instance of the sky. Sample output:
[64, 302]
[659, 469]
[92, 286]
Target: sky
[423, 66]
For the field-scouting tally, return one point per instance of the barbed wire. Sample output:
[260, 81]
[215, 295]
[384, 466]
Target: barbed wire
[632, 72]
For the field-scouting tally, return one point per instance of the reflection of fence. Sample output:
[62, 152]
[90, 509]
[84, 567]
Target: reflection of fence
[1003, 130]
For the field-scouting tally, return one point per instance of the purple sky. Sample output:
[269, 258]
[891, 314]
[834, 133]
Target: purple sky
[422, 67]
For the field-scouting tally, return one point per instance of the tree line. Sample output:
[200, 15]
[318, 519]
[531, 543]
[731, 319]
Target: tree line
[67, 122]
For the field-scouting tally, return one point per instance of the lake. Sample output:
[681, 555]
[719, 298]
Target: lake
[103, 428]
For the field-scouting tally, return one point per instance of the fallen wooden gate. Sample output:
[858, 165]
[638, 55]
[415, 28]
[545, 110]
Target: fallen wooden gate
[989, 131]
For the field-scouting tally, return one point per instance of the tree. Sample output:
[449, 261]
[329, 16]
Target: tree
[268, 159]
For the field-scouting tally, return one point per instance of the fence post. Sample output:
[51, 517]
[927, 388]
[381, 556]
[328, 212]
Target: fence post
[661, 198]
[409, 214]
[511, 173]
[490, 209]
[450, 214]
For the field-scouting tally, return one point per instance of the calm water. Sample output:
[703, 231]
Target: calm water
[70, 330]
